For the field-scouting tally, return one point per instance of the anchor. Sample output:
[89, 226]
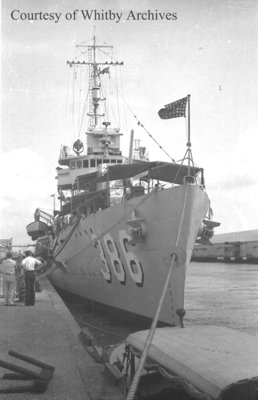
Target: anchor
[40, 379]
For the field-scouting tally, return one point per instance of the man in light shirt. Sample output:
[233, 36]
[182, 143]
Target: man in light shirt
[29, 264]
[9, 279]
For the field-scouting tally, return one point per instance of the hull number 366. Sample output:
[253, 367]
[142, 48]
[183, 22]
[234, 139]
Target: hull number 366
[115, 256]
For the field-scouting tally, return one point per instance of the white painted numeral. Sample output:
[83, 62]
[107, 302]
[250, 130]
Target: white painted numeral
[133, 264]
[105, 269]
[112, 252]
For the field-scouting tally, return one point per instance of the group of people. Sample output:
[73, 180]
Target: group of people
[12, 271]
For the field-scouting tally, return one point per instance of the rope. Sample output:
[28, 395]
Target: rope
[171, 304]
[68, 237]
[151, 332]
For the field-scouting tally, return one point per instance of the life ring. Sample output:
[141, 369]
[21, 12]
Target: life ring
[78, 147]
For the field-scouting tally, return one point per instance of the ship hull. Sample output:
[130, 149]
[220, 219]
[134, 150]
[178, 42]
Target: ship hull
[97, 260]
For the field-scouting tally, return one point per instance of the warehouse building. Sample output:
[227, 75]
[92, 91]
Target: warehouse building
[234, 246]
[5, 245]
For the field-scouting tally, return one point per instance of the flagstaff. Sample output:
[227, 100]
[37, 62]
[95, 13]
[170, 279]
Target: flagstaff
[188, 132]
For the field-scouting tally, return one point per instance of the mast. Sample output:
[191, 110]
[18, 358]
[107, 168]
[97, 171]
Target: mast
[94, 77]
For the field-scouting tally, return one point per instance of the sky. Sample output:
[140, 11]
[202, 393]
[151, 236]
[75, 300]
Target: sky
[208, 51]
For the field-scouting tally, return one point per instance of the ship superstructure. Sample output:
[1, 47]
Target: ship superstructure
[103, 141]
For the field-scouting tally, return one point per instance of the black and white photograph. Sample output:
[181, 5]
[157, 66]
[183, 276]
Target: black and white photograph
[128, 211]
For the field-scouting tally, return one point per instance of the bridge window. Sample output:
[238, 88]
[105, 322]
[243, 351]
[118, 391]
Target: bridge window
[99, 161]
[92, 163]
[119, 161]
[105, 161]
[72, 164]
[85, 163]
[79, 164]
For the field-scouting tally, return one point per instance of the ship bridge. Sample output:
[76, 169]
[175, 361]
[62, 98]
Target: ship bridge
[103, 148]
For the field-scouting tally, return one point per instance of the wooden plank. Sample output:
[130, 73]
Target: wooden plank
[210, 357]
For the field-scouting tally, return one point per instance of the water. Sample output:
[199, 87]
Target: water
[215, 294]
[222, 294]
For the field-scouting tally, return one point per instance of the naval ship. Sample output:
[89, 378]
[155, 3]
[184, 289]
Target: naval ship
[123, 218]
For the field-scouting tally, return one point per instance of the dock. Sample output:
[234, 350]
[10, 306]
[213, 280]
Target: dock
[47, 332]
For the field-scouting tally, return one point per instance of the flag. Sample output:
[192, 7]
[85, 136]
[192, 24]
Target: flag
[104, 71]
[174, 110]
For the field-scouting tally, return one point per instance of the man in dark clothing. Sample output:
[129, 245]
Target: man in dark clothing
[29, 264]
[20, 278]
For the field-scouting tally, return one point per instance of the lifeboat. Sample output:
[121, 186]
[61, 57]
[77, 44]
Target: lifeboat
[37, 229]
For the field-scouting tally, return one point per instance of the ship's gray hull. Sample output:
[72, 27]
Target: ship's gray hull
[97, 261]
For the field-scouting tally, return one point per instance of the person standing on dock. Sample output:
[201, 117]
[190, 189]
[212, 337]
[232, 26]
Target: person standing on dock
[9, 279]
[29, 263]
[20, 282]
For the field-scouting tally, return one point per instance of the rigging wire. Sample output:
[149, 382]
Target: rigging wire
[102, 91]
[83, 114]
[122, 96]
[109, 107]
[73, 104]
[104, 52]
[67, 101]
[80, 101]
[111, 111]
[150, 135]
[76, 98]
[117, 102]
[116, 116]
[83, 108]
[142, 126]
[82, 88]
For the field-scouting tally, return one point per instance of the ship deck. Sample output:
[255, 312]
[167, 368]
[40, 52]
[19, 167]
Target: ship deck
[47, 332]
